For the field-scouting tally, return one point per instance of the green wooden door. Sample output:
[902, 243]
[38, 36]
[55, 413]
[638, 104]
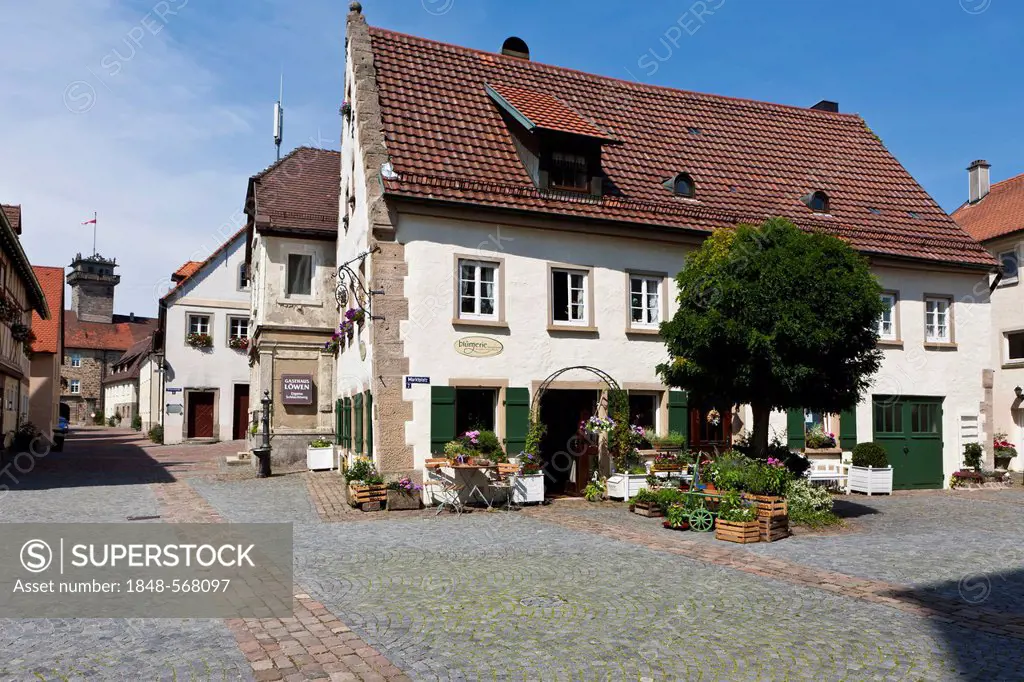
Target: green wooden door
[442, 417]
[910, 430]
[517, 419]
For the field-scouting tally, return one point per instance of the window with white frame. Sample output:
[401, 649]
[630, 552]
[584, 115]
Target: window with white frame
[238, 327]
[1015, 346]
[76, 360]
[644, 301]
[198, 324]
[937, 320]
[75, 386]
[1011, 264]
[478, 290]
[243, 277]
[569, 292]
[299, 275]
[887, 321]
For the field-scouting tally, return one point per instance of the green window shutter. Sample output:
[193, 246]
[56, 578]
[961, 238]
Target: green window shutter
[442, 417]
[795, 429]
[357, 407]
[346, 423]
[517, 419]
[679, 414]
[339, 430]
[848, 429]
[369, 423]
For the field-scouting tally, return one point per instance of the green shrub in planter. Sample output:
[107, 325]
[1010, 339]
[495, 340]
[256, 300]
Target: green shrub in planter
[870, 455]
[137, 423]
[156, 434]
[972, 456]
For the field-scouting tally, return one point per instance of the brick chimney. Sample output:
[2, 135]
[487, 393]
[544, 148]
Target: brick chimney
[977, 174]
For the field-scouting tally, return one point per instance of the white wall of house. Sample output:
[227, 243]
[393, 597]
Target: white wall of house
[215, 293]
[120, 395]
[1007, 325]
[150, 393]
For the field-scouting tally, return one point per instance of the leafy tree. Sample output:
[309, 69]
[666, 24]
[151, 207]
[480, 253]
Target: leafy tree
[777, 318]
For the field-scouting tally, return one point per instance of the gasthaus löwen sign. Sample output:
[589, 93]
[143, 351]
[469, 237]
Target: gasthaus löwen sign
[297, 389]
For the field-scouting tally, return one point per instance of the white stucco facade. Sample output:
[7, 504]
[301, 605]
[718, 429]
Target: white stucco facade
[121, 398]
[213, 301]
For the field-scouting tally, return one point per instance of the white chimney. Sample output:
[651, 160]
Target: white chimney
[977, 174]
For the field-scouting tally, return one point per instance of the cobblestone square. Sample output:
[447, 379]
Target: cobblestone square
[917, 587]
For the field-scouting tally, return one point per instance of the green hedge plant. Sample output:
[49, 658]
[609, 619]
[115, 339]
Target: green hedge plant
[870, 455]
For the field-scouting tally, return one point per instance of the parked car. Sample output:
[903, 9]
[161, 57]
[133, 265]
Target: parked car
[63, 425]
[60, 433]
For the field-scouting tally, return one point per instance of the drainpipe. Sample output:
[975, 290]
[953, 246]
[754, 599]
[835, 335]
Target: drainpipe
[995, 282]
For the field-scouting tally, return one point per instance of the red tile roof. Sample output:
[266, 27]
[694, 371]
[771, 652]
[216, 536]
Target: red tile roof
[299, 193]
[98, 335]
[127, 366]
[999, 213]
[48, 332]
[198, 266]
[186, 270]
[547, 111]
[13, 213]
[749, 160]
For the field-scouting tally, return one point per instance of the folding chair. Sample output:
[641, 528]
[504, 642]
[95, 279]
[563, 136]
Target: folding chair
[506, 480]
[436, 483]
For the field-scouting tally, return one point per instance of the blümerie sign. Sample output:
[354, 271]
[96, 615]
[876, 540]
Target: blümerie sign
[296, 389]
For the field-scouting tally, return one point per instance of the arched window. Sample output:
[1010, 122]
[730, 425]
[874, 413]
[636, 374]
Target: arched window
[818, 202]
[683, 185]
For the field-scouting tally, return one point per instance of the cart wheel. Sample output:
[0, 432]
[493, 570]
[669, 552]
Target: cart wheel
[701, 520]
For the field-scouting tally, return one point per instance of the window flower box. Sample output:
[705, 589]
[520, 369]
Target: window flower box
[239, 343]
[870, 480]
[197, 340]
[823, 453]
[528, 488]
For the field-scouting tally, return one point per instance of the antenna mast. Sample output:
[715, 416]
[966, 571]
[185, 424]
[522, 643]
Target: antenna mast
[279, 118]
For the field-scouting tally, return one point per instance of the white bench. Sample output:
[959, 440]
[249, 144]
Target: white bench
[830, 471]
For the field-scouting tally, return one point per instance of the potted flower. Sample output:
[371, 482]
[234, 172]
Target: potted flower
[366, 487]
[736, 522]
[320, 455]
[677, 518]
[404, 494]
[529, 485]
[456, 452]
[240, 343]
[1004, 451]
[346, 109]
[870, 471]
[355, 315]
[818, 441]
[334, 345]
[670, 441]
[198, 340]
[20, 332]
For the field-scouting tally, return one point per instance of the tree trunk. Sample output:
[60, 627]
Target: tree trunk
[759, 434]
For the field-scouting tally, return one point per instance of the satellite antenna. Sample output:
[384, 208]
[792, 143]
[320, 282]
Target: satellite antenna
[279, 119]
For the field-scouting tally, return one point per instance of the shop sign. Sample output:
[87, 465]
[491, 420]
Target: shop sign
[478, 347]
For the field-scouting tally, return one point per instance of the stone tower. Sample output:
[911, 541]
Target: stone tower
[92, 282]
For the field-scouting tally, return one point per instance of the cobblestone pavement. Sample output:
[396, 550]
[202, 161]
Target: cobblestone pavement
[919, 587]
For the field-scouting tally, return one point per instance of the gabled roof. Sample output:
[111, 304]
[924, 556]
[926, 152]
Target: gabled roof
[297, 194]
[48, 332]
[198, 267]
[749, 160]
[131, 361]
[10, 243]
[998, 213]
[120, 335]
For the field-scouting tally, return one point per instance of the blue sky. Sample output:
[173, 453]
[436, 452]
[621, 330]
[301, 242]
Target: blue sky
[155, 113]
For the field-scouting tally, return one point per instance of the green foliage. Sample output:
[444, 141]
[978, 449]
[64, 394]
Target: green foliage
[112, 421]
[731, 507]
[487, 445]
[677, 516]
[671, 441]
[774, 317]
[320, 443]
[734, 471]
[796, 462]
[727, 471]
[810, 505]
[662, 497]
[137, 422]
[973, 453]
[870, 455]
[622, 441]
[97, 419]
[534, 436]
[361, 470]
[594, 491]
[156, 434]
[817, 437]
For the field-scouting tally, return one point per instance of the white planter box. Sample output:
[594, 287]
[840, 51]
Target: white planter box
[528, 488]
[319, 459]
[623, 486]
[870, 480]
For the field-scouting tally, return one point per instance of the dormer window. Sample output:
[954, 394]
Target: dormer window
[568, 171]
[683, 186]
[817, 202]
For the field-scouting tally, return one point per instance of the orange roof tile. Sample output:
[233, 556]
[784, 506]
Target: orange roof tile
[298, 194]
[97, 335]
[48, 332]
[547, 111]
[750, 160]
[998, 213]
[186, 270]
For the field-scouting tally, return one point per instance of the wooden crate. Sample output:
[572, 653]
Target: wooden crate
[768, 505]
[362, 494]
[742, 532]
[648, 509]
[772, 528]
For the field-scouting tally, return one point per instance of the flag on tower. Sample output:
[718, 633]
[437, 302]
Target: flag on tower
[90, 222]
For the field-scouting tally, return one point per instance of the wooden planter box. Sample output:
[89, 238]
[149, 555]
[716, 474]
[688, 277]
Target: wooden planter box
[742, 532]
[648, 509]
[768, 505]
[400, 501]
[772, 528]
[363, 496]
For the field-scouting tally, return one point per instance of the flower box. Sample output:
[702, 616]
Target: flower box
[648, 509]
[768, 505]
[400, 500]
[320, 459]
[528, 488]
[823, 453]
[870, 480]
[359, 495]
[625, 486]
[742, 532]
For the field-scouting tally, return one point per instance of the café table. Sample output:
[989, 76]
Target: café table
[466, 471]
